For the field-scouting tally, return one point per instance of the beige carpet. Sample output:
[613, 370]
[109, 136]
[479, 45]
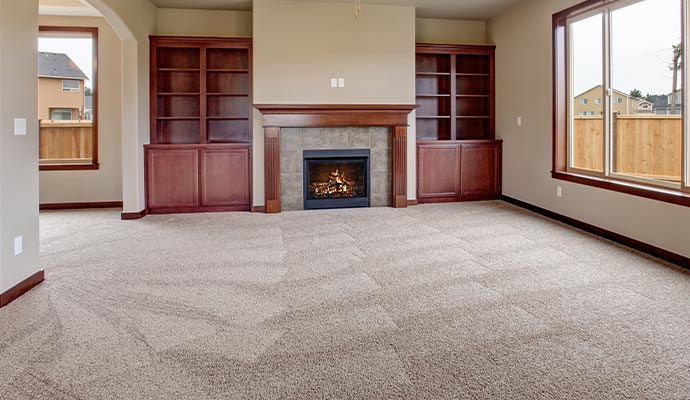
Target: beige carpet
[456, 301]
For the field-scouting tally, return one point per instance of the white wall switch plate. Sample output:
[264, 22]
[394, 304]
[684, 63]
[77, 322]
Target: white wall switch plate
[18, 246]
[334, 82]
[341, 82]
[559, 191]
[519, 121]
[20, 126]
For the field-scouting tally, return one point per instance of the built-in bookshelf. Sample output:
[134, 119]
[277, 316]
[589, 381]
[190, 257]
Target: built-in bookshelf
[201, 131]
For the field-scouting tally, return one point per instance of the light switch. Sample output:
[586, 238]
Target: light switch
[20, 126]
[334, 82]
[341, 82]
[18, 246]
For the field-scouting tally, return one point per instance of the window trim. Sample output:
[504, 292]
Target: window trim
[560, 105]
[72, 90]
[94, 165]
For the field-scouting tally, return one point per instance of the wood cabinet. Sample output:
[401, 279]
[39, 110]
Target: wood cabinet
[201, 129]
[458, 171]
[458, 157]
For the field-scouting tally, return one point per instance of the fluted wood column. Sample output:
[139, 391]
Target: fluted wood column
[272, 169]
[399, 167]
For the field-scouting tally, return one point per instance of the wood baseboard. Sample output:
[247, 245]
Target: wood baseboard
[411, 203]
[21, 288]
[129, 216]
[77, 206]
[258, 209]
[677, 259]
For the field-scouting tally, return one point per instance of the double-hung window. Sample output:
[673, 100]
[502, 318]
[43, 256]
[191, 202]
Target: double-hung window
[612, 49]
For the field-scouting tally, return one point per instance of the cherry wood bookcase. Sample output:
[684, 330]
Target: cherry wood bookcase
[458, 157]
[199, 158]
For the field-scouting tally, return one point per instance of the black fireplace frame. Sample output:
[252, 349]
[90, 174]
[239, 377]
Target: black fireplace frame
[336, 156]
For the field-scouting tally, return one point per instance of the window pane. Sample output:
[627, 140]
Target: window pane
[646, 77]
[586, 117]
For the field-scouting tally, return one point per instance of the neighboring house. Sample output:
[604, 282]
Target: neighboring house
[662, 103]
[88, 107]
[60, 87]
[590, 102]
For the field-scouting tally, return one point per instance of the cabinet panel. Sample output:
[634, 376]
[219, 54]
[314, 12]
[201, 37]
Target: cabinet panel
[172, 178]
[437, 169]
[481, 170]
[225, 175]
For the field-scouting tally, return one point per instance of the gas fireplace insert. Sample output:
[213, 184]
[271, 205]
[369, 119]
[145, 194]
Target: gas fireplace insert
[336, 179]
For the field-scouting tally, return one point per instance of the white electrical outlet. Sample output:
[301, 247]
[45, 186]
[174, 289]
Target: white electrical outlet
[559, 191]
[519, 121]
[334, 82]
[341, 82]
[18, 246]
[20, 126]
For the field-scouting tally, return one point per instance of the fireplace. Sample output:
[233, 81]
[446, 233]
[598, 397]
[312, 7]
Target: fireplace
[336, 179]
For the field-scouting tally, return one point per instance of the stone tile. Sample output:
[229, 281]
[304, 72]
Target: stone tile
[291, 139]
[292, 203]
[336, 138]
[381, 138]
[380, 182]
[313, 138]
[359, 138]
[381, 200]
[291, 185]
[291, 161]
[381, 160]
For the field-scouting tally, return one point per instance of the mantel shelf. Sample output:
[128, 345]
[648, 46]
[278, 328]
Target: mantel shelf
[324, 115]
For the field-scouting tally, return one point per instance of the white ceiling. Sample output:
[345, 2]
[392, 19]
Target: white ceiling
[449, 9]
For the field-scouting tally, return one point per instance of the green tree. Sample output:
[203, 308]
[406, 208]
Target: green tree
[88, 92]
[636, 94]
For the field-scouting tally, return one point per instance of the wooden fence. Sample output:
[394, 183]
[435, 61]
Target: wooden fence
[66, 142]
[644, 145]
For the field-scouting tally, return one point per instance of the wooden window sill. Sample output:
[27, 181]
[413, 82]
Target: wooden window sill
[69, 167]
[655, 193]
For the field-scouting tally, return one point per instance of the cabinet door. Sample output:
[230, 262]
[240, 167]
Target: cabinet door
[225, 177]
[172, 178]
[481, 170]
[437, 171]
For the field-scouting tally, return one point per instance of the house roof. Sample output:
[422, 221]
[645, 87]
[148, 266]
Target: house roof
[614, 90]
[58, 65]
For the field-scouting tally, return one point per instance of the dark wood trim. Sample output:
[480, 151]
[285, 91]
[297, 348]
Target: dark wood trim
[69, 167]
[129, 216]
[658, 252]
[412, 203]
[21, 288]
[399, 155]
[76, 206]
[258, 209]
[650, 192]
[334, 115]
[195, 209]
[94, 163]
[198, 39]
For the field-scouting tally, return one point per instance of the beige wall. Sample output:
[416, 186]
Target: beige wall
[449, 31]
[50, 95]
[204, 23]
[18, 154]
[299, 46]
[104, 184]
[523, 56]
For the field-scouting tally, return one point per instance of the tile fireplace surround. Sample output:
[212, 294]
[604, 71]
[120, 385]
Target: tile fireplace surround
[354, 126]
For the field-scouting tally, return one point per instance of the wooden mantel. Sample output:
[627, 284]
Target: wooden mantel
[277, 116]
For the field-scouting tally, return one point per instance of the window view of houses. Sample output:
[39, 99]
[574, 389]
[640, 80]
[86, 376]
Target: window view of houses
[590, 103]
[65, 100]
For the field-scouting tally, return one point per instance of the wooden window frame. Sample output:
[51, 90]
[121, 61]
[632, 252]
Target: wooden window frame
[560, 169]
[94, 164]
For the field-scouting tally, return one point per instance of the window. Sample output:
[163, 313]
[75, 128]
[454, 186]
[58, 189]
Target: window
[583, 101]
[61, 114]
[69, 85]
[68, 98]
[597, 47]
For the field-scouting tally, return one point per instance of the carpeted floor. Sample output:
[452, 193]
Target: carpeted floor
[455, 301]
